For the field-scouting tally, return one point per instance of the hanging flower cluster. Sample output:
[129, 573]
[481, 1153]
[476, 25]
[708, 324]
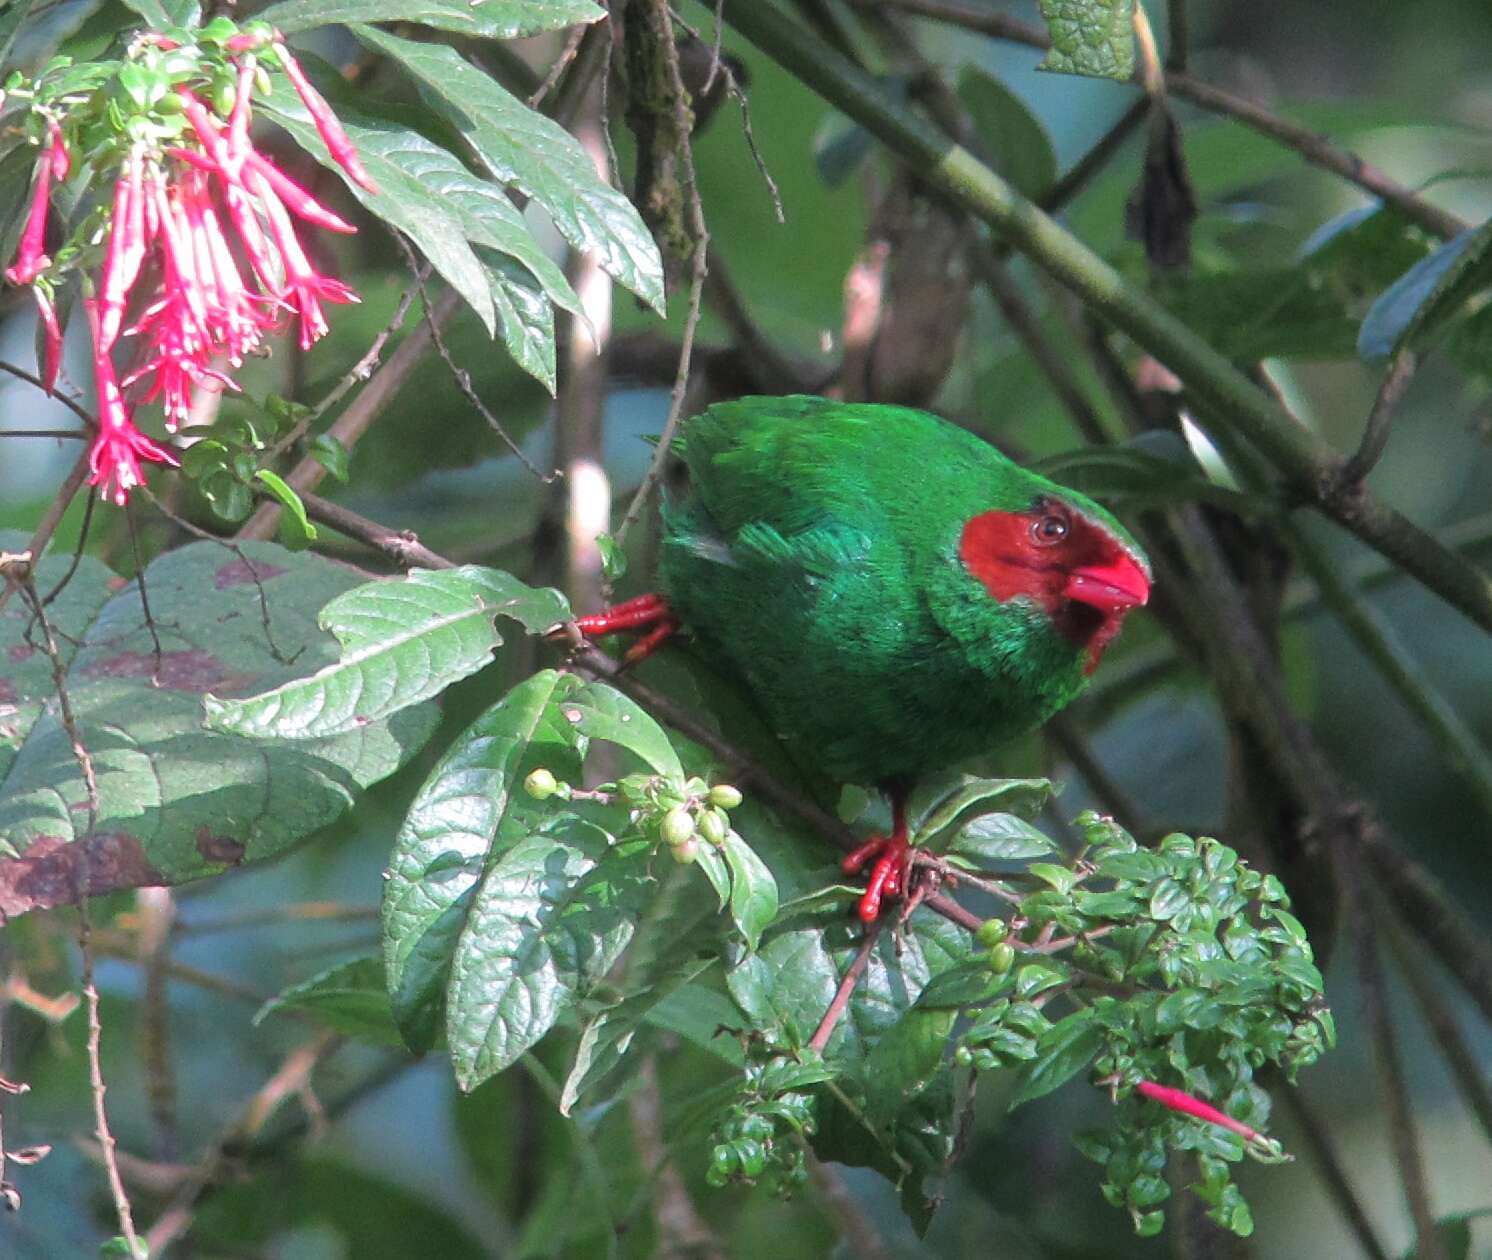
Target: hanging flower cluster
[198, 243]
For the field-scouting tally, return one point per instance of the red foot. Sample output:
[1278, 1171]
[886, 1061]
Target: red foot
[892, 869]
[634, 614]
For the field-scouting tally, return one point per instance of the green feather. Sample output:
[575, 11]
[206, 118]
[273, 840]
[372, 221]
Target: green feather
[818, 555]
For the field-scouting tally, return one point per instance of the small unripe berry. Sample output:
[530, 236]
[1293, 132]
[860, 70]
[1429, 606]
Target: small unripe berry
[541, 784]
[713, 826]
[677, 826]
[725, 796]
[1002, 958]
[964, 1057]
[992, 932]
[684, 853]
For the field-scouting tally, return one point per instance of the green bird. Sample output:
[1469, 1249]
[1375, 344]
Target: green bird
[896, 593]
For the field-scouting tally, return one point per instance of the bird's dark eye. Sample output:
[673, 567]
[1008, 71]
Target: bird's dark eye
[1048, 530]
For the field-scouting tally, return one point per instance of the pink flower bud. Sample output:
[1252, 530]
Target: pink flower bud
[343, 151]
[31, 258]
[52, 360]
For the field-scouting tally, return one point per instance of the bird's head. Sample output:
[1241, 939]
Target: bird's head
[1068, 556]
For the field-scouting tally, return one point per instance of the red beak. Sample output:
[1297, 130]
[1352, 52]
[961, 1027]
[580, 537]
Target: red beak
[1119, 584]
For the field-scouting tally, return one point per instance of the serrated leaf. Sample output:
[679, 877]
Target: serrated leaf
[1015, 138]
[402, 642]
[1091, 37]
[524, 316]
[175, 802]
[1063, 1051]
[753, 891]
[598, 709]
[349, 998]
[1001, 838]
[401, 200]
[1428, 290]
[469, 808]
[490, 19]
[546, 923]
[523, 148]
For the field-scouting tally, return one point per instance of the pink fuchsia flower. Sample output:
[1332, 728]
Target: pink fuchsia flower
[305, 287]
[343, 151]
[31, 256]
[118, 447]
[52, 358]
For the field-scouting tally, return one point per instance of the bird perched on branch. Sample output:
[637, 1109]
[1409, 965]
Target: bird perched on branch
[897, 593]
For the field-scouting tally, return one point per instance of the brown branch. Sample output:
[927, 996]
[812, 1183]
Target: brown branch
[846, 988]
[49, 522]
[403, 547]
[1333, 1176]
[156, 909]
[1317, 149]
[1380, 418]
[350, 426]
[683, 124]
[1403, 1132]
[68, 718]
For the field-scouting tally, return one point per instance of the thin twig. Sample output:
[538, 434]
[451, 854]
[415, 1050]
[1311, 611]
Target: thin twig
[1403, 1132]
[360, 371]
[458, 373]
[567, 55]
[1380, 418]
[82, 435]
[846, 988]
[1093, 161]
[1314, 148]
[50, 520]
[156, 908]
[296, 912]
[401, 546]
[1464, 1063]
[1333, 1176]
[68, 718]
[72, 404]
[359, 414]
[683, 120]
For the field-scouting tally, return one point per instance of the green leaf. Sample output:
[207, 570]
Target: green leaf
[712, 866]
[1015, 138]
[401, 200]
[1092, 37]
[1001, 838]
[331, 455]
[349, 998]
[175, 802]
[490, 19]
[161, 15]
[905, 1059]
[402, 641]
[470, 806]
[523, 148]
[753, 891]
[1061, 1053]
[598, 709]
[606, 1037]
[524, 315]
[298, 525]
[546, 923]
[1430, 289]
[1022, 795]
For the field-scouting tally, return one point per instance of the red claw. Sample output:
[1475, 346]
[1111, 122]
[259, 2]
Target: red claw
[649, 612]
[891, 873]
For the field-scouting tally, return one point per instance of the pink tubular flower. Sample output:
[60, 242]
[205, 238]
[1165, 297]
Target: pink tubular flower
[52, 361]
[1189, 1105]
[332, 135]
[31, 257]
[119, 446]
[305, 287]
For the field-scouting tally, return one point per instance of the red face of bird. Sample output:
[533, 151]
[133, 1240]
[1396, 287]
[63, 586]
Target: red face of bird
[1074, 567]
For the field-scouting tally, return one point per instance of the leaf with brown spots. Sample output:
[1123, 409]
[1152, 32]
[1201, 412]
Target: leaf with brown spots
[175, 802]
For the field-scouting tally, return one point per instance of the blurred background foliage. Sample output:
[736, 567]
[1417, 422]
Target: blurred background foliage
[401, 1163]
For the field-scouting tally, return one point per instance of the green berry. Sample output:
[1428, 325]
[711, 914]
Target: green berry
[992, 932]
[725, 796]
[541, 784]
[677, 826]
[713, 826]
[1002, 958]
[684, 853]
[964, 1057]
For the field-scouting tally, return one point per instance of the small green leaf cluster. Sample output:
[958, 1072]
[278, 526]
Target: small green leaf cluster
[223, 460]
[763, 1134]
[1178, 964]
